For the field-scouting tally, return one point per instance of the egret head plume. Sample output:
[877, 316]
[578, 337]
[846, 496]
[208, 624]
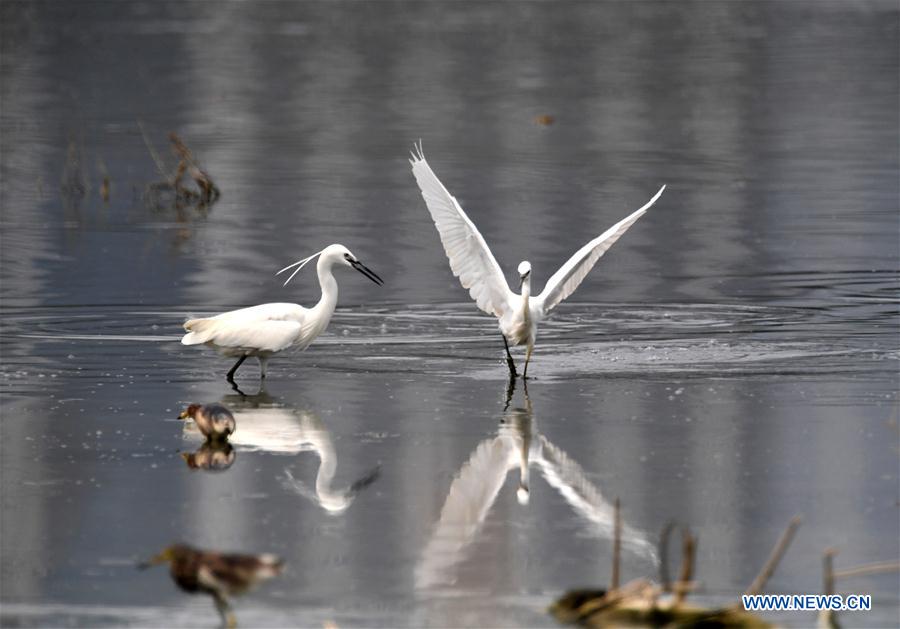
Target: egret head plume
[299, 264]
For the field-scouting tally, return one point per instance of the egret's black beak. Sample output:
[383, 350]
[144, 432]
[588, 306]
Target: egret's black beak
[362, 268]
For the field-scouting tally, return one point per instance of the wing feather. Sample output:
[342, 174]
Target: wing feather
[268, 327]
[471, 495]
[470, 258]
[564, 282]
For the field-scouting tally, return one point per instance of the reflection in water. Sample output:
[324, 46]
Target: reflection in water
[214, 456]
[517, 445]
[263, 425]
[334, 501]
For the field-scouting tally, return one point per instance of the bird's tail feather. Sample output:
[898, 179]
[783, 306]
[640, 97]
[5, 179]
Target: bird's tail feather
[270, 565]
[198, 331]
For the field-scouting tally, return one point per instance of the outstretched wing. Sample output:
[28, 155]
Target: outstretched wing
[470, 258]
[564, 282]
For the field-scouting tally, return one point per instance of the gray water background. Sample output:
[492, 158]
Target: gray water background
[731, 362]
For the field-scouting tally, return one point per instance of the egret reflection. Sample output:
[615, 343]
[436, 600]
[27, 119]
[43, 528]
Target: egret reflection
[517, 446]
[263, 425]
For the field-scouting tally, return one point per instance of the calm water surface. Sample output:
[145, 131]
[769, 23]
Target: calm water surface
[730, 363]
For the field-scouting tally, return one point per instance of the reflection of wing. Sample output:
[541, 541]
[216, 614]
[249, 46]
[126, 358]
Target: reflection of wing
[470, 258]
[471, 495]
[566, 476]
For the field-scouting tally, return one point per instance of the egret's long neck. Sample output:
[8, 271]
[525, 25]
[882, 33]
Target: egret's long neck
[329, 287]
[331, 500]
[327, 465]
[523, 458]
[526, 293]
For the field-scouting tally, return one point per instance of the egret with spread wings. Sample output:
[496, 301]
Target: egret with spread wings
[473, 263]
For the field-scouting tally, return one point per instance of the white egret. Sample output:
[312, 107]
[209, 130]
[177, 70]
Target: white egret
[267, 329]
[473, 263]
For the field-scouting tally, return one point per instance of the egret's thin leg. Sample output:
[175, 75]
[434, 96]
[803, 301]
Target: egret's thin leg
[509, 358]
[228, 619]
[528, 351]
[262, 367]
[230, 375]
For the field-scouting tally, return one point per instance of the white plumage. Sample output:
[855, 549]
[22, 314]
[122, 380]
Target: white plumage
[264, 426]
[267, 329]
[475, 488]
[473, 263]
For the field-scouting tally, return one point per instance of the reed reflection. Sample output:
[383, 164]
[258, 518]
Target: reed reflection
[264, 425]
[518, 445]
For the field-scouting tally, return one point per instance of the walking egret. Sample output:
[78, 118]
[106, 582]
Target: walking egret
[473, 263]
[267, 329]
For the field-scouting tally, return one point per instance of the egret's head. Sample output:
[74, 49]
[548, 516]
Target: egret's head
[524, 272]
[337, 254]
[331, 255]
[189, 412]
[351, 260]
[523, 494]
